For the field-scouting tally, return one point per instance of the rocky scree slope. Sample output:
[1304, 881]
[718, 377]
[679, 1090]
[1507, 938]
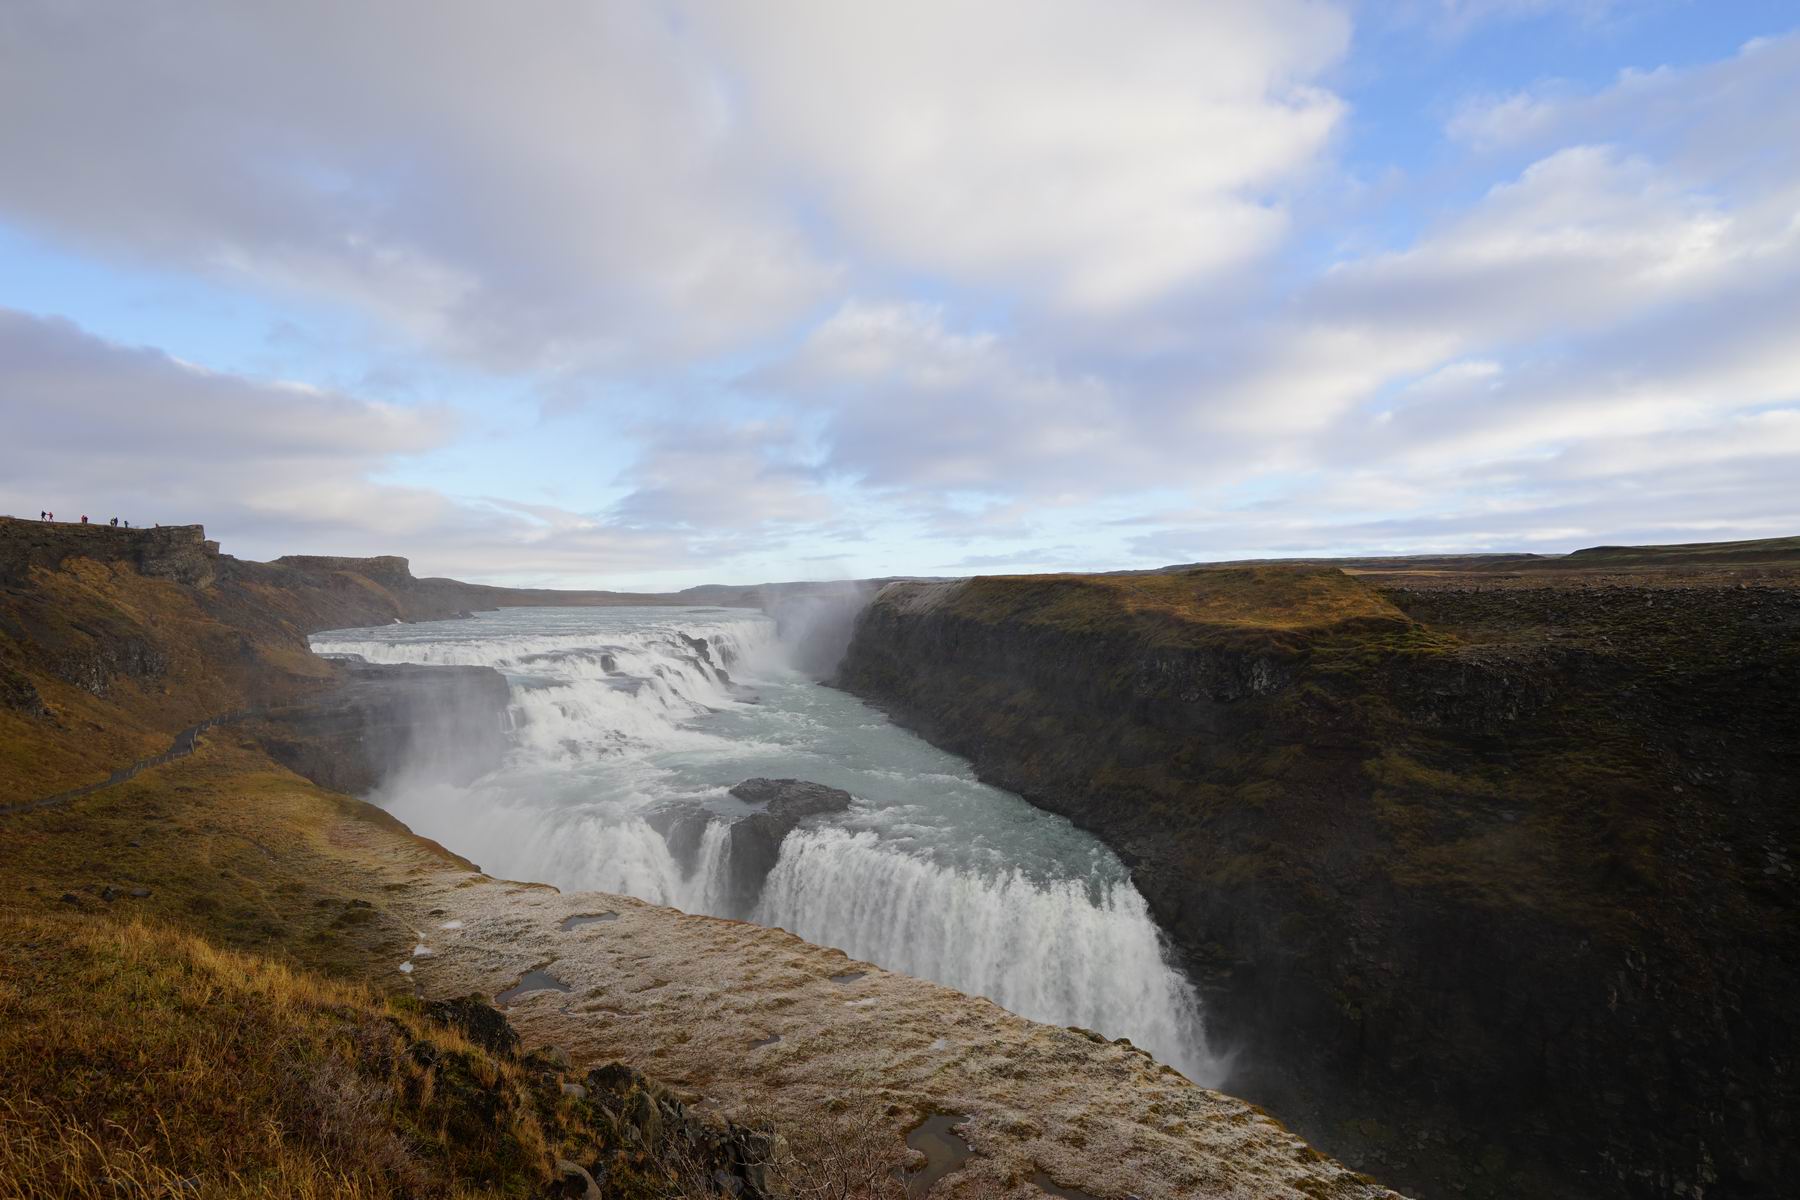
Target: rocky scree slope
[1490, 884]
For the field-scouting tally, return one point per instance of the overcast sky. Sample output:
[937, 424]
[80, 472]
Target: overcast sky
[649, 294]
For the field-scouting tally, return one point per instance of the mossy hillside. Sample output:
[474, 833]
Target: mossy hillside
[1189, 608]
[118, 663]
[230, 847]
[144, 1061]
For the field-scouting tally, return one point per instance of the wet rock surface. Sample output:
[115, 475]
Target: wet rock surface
[683, 998]
[756, 839]
[447, 723]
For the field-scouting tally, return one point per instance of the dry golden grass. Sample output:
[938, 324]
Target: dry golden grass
[1198, 600]
[229, 846]
[142, 1061]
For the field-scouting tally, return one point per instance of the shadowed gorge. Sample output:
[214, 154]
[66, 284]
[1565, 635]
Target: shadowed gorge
[1484, 866]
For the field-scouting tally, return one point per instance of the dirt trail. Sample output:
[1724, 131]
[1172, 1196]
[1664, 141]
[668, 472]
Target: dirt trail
[183, 745]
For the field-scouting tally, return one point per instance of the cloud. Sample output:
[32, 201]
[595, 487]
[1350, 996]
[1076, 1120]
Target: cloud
[644, 181]
[1731, 121]
[274, 468]
[91, 425]
[717, 477]
[1581, 239]
[910, 274]
[1598, 348]
[542, 192]
[1103, 156]
[909, 403]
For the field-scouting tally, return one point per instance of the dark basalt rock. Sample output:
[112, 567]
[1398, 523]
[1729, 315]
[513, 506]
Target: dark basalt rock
[447, 723]
[736, 1159]
[681, 831]
[478, 1021]
[756, 839]
[1501, 894]
[176, 552]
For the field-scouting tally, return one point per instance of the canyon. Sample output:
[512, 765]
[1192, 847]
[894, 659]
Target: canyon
[1480, 866]
[214, 880]
[1484, 865]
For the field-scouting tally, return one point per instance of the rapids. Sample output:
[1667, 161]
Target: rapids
[630, 724]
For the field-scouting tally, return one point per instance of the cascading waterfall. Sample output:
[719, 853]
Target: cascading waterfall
[1048, 950]
[630, 725]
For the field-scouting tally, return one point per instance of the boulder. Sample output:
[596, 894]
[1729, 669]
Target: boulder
[478, 1021]
[756, 839]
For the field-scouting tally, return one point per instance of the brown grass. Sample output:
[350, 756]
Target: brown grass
[143, 1061]
[1195, 601]
[230, 847]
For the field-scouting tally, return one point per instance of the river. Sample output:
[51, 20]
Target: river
[623, 719]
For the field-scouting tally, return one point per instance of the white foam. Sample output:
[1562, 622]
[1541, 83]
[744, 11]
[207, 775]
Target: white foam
[1046, 950]
[607, 716]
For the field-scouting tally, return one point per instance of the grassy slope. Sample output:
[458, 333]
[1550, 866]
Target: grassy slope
[210, 1037]
[1192, 607]
[122, 663]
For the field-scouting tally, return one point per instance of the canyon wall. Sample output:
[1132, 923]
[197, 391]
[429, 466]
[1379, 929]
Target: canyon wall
[1487, 882]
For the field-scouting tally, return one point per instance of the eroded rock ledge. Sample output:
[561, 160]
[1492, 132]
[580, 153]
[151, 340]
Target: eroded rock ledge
[751, 1020]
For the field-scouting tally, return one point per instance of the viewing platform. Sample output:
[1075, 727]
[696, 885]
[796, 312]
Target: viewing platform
[178, 552]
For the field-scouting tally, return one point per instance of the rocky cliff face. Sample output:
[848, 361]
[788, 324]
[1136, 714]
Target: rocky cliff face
[111, 640]
[178, 552]
[1489, 887]
[444, 723]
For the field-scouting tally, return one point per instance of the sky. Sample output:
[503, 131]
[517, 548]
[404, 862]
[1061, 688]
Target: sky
[650, 293]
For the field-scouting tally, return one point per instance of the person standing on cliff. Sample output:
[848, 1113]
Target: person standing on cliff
[84, 518]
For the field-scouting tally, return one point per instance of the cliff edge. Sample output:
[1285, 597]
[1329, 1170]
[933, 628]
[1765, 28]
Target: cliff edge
[1487, 872]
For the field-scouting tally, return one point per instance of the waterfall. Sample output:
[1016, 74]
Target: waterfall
[1048, 950]
[629, 726]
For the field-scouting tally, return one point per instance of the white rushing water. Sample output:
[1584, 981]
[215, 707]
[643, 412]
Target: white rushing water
[626, 738]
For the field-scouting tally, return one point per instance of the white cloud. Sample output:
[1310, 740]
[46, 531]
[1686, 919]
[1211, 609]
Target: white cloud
[272, 468]
[1582, 239]
[992, 262]
[642, 180]
[1101, 155]
[910, 403]
[541, 190]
